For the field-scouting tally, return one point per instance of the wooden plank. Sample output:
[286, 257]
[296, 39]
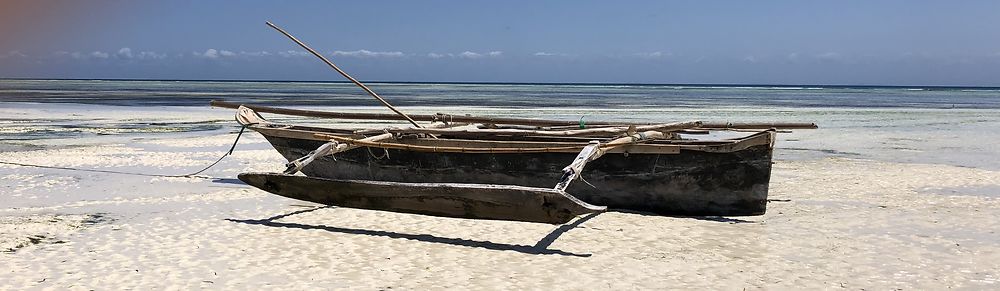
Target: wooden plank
[478, 201]
[654, 147]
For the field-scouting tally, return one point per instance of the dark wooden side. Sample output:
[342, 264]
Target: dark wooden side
[498, 202]
[689, 183]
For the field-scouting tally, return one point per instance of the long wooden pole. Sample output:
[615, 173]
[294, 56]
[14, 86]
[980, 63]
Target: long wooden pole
[599, 131]
[342, 73]
[494, 120]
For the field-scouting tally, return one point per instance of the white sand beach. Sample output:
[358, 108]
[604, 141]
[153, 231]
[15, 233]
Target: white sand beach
[847, 211]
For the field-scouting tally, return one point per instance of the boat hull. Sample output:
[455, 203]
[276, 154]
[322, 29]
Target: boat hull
[691, 182]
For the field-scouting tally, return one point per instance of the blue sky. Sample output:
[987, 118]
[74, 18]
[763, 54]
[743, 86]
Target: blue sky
[748, 42]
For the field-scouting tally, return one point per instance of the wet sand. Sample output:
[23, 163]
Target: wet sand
[838, 218]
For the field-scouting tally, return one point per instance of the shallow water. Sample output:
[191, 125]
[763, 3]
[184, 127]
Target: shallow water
[954, 126]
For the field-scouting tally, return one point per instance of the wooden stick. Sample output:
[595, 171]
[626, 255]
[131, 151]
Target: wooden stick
[666, 127]
[759, 125]
[356, 82]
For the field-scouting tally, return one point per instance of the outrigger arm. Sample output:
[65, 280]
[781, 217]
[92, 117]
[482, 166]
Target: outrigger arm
[327, 149]
[595, 150]
[335, 146]
[572, 172]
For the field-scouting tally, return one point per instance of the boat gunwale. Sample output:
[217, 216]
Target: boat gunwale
[731, 145]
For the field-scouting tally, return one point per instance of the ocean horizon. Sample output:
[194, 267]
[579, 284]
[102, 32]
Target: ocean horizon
[140, 92]
[718, 85]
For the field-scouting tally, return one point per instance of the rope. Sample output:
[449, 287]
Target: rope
[94, 170]
[191, 175]
[384, 155]
[228, 153]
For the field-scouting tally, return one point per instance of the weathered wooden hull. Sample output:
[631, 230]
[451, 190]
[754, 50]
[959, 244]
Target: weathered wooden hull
[728, 180]
[498, 202]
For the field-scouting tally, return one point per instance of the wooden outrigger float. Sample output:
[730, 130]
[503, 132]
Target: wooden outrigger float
[513, 168]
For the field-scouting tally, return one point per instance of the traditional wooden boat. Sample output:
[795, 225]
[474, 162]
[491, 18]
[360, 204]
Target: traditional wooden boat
[513, 168]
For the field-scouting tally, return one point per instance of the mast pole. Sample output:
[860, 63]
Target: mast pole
[342, 73]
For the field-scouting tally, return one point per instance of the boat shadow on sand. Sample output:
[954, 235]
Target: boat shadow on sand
[709, 218]
[539, 248]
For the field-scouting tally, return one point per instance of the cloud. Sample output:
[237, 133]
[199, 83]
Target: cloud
[209, 54]
[465, 55]
[99, 55]
[217, 54]
[214, 54]
[293, 54]
[151, 55]
[547, 54]
[368, 53]
[82, 56]
[829, 56]
[653, 55]
[128, 54]
[125, 53]
[470, 55]
[255, 54]
[475, 55]
[13, 54]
